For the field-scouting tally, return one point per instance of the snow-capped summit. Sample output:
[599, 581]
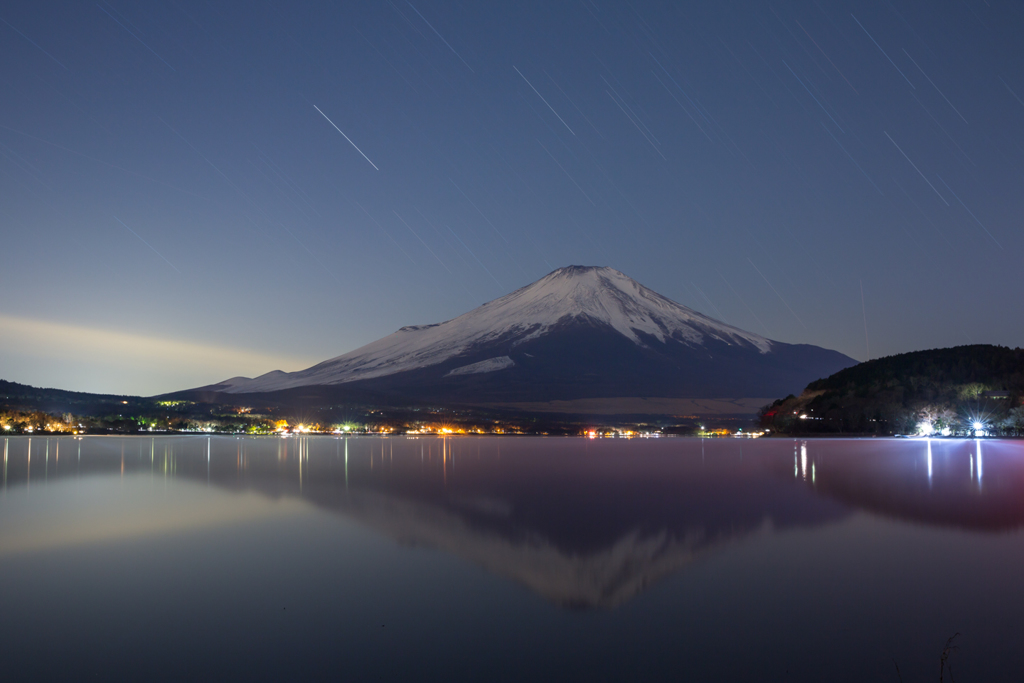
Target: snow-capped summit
[560, 329]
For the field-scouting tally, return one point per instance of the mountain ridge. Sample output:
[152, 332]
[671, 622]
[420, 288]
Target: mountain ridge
[578, 332]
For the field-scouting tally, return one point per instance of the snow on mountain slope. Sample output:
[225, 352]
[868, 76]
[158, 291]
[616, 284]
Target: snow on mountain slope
[571, 294]
[489, 365]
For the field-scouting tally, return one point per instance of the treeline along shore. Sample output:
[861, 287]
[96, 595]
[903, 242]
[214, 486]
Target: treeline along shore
[975, 390]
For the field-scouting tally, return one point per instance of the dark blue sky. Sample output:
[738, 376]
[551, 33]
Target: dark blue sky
[175, 209]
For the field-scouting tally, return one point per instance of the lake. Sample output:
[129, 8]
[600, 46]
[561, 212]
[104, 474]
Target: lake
[320, 558]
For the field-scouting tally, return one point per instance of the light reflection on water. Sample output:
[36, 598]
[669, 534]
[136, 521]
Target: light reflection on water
[612, 559]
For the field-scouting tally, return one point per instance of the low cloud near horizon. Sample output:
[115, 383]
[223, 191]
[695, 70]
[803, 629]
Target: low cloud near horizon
[80, 358]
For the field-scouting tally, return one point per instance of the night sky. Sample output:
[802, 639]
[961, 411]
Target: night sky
[193, 190]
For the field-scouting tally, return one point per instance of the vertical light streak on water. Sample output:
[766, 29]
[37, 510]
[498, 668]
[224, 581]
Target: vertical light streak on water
[978, 444]
[28, 472]
[929, 462]
[972, 466]
[5, 465]
[803, 460]
[814, 475]
[346, 463]
[207, 461]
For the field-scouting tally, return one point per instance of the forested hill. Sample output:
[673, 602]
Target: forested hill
[25, 397]
[946, 389]
[922, 372]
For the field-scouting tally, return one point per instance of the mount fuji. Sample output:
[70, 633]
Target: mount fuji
[578, 333]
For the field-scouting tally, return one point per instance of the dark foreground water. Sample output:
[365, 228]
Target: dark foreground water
[195, 558]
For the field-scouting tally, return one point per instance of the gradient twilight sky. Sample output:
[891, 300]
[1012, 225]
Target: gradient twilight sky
[175, 210]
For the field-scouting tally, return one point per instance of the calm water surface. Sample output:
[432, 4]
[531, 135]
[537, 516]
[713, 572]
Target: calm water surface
[222, 558]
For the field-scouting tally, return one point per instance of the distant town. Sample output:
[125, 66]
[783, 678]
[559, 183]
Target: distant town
[180, 418]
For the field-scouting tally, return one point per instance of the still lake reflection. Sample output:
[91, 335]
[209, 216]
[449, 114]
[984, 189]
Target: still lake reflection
[212, 558]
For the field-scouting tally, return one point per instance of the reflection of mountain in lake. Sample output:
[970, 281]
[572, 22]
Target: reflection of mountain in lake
[604, 577]
[582, 523]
